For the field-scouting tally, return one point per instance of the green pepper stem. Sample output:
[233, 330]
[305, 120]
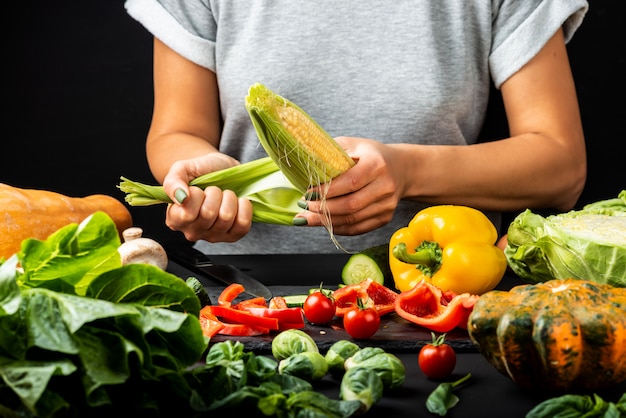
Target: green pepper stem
[426, 256]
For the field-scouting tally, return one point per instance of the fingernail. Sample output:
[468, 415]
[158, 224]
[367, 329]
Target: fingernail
[180, 195]
[314, 195]
[303, 204]
[299, 221]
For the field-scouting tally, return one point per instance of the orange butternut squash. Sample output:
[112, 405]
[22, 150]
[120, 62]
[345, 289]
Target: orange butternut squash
[33, 213]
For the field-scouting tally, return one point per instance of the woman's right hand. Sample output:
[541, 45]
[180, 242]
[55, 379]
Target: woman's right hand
[211, 214]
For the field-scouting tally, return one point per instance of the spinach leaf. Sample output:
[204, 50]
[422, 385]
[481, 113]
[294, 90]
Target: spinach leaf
[578, 406]
[442, 399]
[72, 256]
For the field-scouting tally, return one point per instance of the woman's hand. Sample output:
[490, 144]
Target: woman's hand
[365, 197]
[212, 215]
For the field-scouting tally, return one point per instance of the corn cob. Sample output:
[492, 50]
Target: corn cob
[304, 151]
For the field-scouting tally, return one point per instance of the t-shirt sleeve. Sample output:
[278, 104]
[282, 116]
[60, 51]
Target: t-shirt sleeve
[186, 27]
[522, 28]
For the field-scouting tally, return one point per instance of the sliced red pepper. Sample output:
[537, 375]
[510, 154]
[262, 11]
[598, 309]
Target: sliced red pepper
[238, 316]
[426, 305]
[229, 294]
[255, 302]
[283, 315]
[209, 323]
[242, 330]
[370, 292]
[286, 325]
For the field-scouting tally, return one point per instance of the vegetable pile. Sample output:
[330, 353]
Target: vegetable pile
[85, 334]
[588, 244]
[249, 317]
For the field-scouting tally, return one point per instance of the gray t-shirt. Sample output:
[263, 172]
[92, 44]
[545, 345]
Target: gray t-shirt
[398, 72]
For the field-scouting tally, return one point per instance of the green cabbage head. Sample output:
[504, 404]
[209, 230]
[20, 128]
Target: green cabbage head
[588, 244]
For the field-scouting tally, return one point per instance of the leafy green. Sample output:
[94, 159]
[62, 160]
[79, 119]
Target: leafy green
[578, 406]
[82, 335]
[240, 381]
[442, 398]
[586, 244]
[63, 353]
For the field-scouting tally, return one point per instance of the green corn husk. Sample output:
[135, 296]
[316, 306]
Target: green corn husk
[274, 199]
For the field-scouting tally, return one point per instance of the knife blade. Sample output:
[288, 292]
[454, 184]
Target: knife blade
[196, 261]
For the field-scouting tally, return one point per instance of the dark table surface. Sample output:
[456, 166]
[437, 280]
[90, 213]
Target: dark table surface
[487, 394]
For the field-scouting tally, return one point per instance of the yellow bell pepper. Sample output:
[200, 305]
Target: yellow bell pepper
[452, 247]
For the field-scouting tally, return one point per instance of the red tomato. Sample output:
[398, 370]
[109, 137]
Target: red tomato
[361, 322]
[437, 359]
[319, 308]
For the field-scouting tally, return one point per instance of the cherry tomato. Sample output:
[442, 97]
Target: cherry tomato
[437, 359]
[361, 322]
[319, 307]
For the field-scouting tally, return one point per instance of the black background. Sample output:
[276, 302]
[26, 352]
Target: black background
[79, 99]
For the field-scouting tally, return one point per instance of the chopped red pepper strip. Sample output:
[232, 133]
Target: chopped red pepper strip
[238, 316]
[283, 315]
[229, 294]
[209, 323]
[426, 305]
[370, 292]
[242, 330]
[256, 302]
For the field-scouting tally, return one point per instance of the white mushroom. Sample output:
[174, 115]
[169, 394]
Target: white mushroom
[138, 250]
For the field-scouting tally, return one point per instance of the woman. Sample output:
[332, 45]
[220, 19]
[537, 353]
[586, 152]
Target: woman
[402, 86]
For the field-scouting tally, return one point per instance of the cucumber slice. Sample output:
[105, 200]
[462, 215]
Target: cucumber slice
[295, 301]
[372, 263]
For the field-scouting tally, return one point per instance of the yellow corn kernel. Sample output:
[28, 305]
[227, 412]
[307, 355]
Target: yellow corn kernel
[325, 154]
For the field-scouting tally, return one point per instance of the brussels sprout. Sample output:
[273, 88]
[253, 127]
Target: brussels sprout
[308, 365]
[363, 385]
[337, 355]
[292, 341]
[389, 368]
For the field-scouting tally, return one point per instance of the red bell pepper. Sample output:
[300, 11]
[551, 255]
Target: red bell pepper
[211, 326]
[242, 330]
[286, 317]
[229, 294]
[239, 316]
[425, 304]
[209, 323]
[370, 292]
[255, 302]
